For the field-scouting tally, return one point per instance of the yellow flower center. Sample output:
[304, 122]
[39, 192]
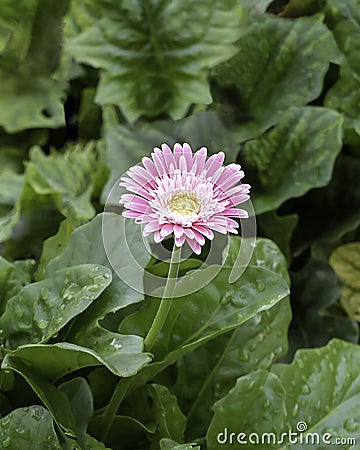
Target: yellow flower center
[184, 204]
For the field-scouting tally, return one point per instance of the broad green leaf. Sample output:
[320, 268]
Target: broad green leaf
[295, 156]
[345, 260]
[266, 254]
[255, 405]
[86, 245]
[57, 360]
[41, 309]
[170, 420]
[343, 18]
[81, 401]
[271, 71]
[168, 45]
[54, 361]
[127, 145]
[121, 353]
[306, 391]
[317, 318]
[314, 393]
[31, 97]
[38, 106]
[220, 310]
[68, 177]
[207, 373]
[344, 97]
[53, 398]
[31, 425]
[169, 444]
[70, 413]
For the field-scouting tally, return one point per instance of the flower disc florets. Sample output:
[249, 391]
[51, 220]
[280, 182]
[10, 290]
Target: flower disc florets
[185, 194]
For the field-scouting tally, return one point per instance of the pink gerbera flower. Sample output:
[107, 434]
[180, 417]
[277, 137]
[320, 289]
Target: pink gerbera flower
[185, 194]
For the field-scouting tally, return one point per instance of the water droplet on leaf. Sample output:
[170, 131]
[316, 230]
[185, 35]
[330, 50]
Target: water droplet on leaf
[115, 343]
[42, 324]
[244, 355]
[6, 442]
[300, 364]
[305, 389]
[227, 298]
[24, 326]
[295, 410]
[351, 425]
[5, 421]
[19, 310]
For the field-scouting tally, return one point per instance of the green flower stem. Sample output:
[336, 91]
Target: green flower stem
[165, 303]
[113, 405]
[149, 341]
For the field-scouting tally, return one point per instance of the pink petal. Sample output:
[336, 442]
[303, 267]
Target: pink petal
[182, 164]
[199, 238]
[159, 162]
[213, 163]
[199, 160]
[180, 241]
[166, 229]
[235, 212]
[131, 214]
[137, 207]
[136, 174]
[229, 177]
[168, 157]
[194, 245]
[235, 190]
[189, 233]
[150, 228]
[219, 228]
[240, 198]
[177, 153]
[187, 152]
[205, 231]
[232, 223]
[157, 237]
[178, 231]
[149, 166]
